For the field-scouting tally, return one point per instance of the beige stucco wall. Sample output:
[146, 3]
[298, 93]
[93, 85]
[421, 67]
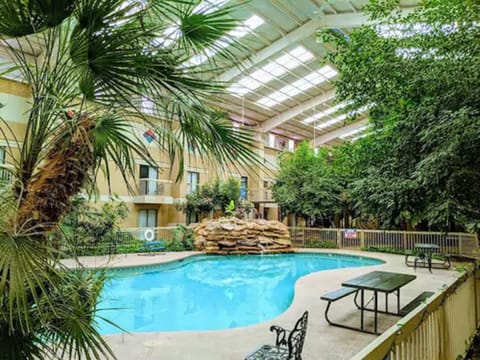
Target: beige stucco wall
[15, 97]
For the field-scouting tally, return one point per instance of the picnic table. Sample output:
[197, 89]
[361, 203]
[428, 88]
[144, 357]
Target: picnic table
[424, 253]
[377, 282]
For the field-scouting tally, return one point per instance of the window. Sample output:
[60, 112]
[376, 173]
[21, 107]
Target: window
[291, 145]
[193, 178]
[271, 140]
[148, 180]
[192, 218]
[147, 105]
[2, 155]
[243, 187]
[147, 218]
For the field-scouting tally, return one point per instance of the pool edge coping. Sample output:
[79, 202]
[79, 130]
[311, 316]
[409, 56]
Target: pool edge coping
[79, 266]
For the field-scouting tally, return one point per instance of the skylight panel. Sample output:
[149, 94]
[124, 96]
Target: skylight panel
[278, 96]
[254, 22]
[332, 121]
[328, 72]
[250, 83]
[262, 76]
[267, 102]
[304, 84]
[287, 61]
[324, 113]
[197, 59]
[301, 54]
[353, 132]
[274, 69]
[209, 6]
[250, 24]
[238, 90]
[280, 66]
[360, 136]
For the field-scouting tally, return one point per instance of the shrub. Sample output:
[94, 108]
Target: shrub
[322, 244]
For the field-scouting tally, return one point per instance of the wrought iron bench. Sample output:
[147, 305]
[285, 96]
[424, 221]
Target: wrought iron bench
[288, 344]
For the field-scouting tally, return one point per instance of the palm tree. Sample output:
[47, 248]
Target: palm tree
[89, 64]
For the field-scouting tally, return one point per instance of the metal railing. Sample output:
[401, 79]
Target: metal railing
[129, 240]
[154, 187]
[441, 329]
[260, 195]
[151, 233]
[451, 243]
[6, 174]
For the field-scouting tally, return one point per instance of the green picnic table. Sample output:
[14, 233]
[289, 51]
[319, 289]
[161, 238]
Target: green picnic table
[423, 256]
[377, 282]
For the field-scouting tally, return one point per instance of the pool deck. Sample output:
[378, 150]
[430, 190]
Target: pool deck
[322, 341]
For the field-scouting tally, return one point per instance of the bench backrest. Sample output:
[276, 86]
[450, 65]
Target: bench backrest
[296, 338]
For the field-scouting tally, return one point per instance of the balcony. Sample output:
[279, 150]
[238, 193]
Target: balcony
[153, 191]
[6, 174]
[260, 195]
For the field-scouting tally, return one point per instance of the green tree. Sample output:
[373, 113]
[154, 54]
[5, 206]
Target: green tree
[419, 76]
[94, 61]
[216, 197]
[304, 185]
[88, 227]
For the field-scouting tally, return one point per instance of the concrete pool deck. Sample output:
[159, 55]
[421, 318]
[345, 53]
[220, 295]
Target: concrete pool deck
[322, 341]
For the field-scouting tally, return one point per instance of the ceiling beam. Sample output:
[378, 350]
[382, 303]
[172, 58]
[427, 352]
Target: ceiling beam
[279, 119]
[325, 138]
[295, 36]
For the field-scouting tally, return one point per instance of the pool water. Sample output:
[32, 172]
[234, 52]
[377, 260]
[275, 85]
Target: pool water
[210, 292]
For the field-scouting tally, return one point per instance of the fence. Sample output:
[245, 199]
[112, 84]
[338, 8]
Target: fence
[129, 240]
[441, 329]
[451, 243]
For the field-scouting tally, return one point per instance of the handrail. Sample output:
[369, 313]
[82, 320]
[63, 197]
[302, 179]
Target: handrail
[154, 187]
[430, 331]
[451, 243]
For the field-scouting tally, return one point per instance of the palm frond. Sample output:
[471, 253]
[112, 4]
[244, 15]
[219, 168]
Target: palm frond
[211, 133]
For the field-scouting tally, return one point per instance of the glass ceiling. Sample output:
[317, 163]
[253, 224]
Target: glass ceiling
[271, 70]
[297, 87]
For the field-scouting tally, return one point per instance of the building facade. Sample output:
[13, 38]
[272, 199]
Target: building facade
[156, 194]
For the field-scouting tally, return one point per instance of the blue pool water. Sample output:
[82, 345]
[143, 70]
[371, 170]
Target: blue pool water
[210, 292]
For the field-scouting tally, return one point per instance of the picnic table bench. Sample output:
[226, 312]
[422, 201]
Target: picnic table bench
[377, 282]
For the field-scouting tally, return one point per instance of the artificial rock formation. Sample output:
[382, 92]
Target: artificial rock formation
[235, 236]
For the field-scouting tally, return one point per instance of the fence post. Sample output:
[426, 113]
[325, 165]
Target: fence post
[460, 244]
[339, 238]
[362, 240]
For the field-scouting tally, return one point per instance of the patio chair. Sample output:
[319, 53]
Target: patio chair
[288, 344]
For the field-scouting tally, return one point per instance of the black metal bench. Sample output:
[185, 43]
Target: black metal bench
[288, 344]
[337, 295]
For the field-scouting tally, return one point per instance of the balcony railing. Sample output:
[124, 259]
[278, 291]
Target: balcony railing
[6, 174]
[153, 191]
[260, 195]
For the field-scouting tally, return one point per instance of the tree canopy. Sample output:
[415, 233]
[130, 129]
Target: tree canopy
[305, 185]
[418, 74]
[217, 196]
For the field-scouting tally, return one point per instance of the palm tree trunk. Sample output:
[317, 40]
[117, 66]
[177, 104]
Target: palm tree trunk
[63, 174]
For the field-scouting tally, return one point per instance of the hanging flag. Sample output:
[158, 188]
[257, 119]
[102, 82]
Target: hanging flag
[149, 135]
